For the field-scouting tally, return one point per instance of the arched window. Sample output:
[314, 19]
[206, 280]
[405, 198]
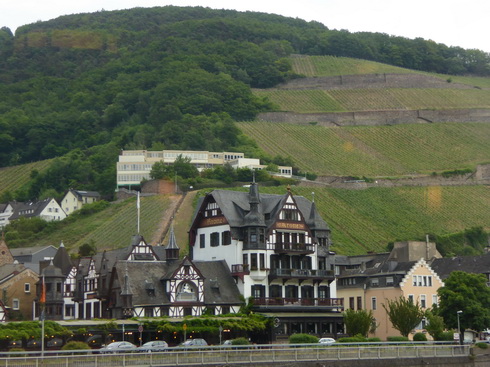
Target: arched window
[186, 291]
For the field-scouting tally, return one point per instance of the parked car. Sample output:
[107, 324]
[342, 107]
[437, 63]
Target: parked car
[118, 347]
[153, 346]
[55, 343]
[326, 341]
[95, 341]
[192, 343]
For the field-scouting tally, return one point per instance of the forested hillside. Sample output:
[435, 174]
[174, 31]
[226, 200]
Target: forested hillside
[84, 86]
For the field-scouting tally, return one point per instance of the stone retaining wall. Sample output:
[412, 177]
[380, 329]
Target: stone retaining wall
[374, 118]
[371, 81]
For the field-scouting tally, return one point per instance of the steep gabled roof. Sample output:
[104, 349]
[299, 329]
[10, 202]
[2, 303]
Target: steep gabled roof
[8, 271]
[62, 260]
[235, 206]
[30, 209]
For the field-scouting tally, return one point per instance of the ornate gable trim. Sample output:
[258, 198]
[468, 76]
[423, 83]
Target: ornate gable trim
[142, 251]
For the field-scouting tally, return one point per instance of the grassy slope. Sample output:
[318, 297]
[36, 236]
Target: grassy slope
[366, 220]
[13, 178]
[113, 227]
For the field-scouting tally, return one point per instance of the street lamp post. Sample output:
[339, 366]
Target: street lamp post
[459, 328]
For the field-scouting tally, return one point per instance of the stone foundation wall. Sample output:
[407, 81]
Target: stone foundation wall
[374, 118]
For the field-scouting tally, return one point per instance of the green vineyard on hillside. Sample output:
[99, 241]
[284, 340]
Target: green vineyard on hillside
[332, 66]
[367, 220]
[317, 66]
[113, 227]
[375, 99]
[14, 177]
[375, 151]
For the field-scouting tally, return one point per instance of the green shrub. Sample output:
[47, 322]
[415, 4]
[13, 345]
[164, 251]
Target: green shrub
[481, 345]
[397, 339]
[447, 336]
[353, 339]
[74, 345]
[240, 341]
[374, 340]
[302, 339]
[419, 337]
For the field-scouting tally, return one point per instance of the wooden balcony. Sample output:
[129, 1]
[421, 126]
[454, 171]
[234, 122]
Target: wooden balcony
[239, 270]
[301, 274]
[293, 248]
[336, 304]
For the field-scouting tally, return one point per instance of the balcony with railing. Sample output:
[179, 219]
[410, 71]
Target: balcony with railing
[301, 274]
[292, 248]
[332, 304]
[240, 270]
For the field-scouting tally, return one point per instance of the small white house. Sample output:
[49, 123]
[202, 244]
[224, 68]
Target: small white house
[75, 199]
[47, 209]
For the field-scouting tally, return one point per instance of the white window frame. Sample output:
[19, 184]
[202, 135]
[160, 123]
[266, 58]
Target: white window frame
[374, 303]
[15, 304]
[423, 301]
[27, 287]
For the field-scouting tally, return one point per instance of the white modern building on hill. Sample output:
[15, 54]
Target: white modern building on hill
[135, 165]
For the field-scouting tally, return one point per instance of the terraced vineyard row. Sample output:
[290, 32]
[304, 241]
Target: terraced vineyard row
[113, 227]
[302, 100]
[311, 66]
[316, 101]
[363, 220]
[332, 66]
[12, 178]
[374, 150]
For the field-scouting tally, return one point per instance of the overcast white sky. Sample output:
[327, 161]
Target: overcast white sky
[454, 23]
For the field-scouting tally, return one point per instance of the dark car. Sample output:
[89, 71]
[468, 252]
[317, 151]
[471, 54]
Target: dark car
[95, 341]
[55, 343]
[119, 347]
[153, 346]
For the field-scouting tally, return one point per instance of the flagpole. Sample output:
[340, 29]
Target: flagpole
[138, 207]
[42, 301]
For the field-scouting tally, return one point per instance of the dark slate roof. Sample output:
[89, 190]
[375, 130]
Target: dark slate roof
[469, 264]
[3, 207]
[24, 251]
[378, 265]
[80, 194]
[83, 266]
[146, 287]
[219, 286]
[9, 270]
[141, 282]
[172, 242]
[235, 206]
[52, 271]
[34, 209]
[62, 260]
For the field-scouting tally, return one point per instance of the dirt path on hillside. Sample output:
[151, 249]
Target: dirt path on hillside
[180, 216]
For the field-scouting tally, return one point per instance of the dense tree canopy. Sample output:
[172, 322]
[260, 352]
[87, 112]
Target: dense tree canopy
[359, 322]
[176, 77]
[404, 314]
[468, 293]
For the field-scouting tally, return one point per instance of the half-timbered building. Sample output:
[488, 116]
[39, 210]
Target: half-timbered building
[277, 250]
